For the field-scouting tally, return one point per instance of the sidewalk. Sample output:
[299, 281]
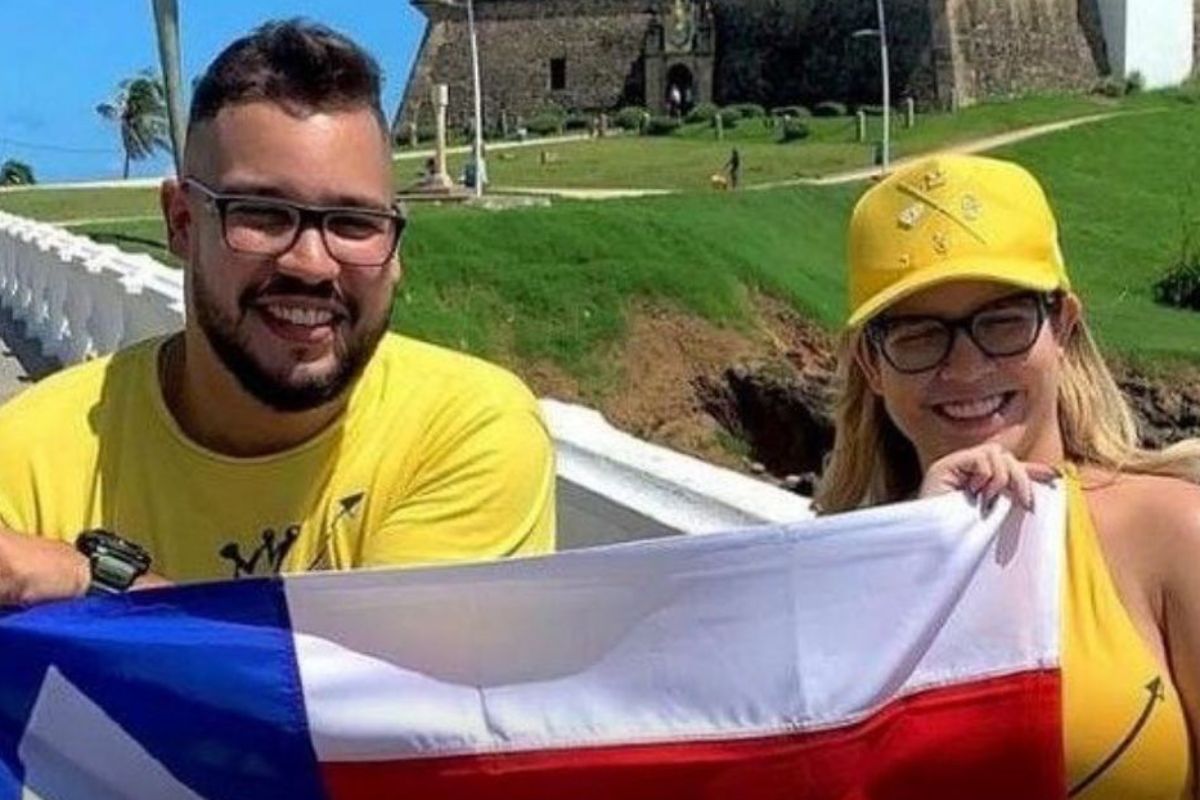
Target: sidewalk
[964, 148]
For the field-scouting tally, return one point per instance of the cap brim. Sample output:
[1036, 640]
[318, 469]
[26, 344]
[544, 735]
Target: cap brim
[1034, 275]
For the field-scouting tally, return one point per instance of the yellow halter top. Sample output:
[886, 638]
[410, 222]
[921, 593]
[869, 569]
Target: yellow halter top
[1123, 724]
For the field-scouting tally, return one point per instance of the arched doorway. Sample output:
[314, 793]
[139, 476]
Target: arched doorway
[681, 90]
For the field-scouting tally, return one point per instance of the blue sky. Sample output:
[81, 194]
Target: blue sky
[61, 58]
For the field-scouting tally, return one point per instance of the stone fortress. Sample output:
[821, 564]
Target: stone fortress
[598, 55]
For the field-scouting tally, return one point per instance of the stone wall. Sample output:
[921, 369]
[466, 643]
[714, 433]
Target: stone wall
[1011, 47]
[782, 52]
[776, 52]
[601, 41]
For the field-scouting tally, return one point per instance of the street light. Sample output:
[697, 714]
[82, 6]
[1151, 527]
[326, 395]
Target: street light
[881, 32]
[480, 167]
[166, 23]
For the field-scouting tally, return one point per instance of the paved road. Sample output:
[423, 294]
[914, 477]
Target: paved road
[21, 360]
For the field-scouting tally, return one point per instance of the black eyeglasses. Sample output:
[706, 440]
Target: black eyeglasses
[1006, 327]
[267, 226]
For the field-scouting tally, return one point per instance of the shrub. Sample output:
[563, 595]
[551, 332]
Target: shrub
[545, 123]
[793, 130]
[1179, 286]
[704, 112]
[1134, 82]
[797, 112]
[829, 108]
[750, 110]
[734, 112]
[630, 118]
[577, 122]
[661, 126]
[1110, 86]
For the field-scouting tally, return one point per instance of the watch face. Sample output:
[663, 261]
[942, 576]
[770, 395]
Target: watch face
[115, 562]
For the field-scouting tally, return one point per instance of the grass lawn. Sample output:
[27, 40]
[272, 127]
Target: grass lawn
[554, 283]
[686, 159]
[1125, 190]
[57, 205]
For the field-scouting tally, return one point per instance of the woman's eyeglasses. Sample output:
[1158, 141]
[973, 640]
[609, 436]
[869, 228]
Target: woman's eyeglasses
[1006, 327]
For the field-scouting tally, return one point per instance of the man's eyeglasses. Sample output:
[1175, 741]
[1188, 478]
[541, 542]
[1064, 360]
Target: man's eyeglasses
[267, 226]
[1006, 327]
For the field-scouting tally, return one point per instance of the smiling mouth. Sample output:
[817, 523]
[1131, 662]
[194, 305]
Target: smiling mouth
[975, 410]
[299, 315]
[299, 324]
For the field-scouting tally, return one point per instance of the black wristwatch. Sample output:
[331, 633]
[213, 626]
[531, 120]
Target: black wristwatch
[116, 562]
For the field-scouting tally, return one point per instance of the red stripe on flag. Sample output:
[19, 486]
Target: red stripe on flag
[999, 738]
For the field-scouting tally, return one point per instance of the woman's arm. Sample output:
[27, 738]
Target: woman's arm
[1177, 510]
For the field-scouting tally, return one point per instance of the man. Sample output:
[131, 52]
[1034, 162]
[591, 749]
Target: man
[283, 430]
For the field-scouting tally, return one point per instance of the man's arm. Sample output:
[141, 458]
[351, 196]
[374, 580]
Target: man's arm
[485, 492]
[34, 570]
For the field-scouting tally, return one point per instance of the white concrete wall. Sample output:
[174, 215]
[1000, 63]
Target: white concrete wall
[1151, 37]
[81, 299]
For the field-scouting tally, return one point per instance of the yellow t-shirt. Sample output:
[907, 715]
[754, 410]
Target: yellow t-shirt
[439, 457]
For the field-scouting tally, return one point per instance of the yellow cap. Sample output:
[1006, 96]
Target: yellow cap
[951, 218]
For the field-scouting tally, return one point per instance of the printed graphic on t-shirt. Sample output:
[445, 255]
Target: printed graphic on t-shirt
[275, 544]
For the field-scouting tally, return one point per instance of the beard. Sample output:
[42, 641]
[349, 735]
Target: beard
[278, 389]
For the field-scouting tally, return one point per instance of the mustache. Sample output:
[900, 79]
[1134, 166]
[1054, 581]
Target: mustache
[288, 286]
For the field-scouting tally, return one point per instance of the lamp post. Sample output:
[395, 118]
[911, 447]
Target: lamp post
[881, 32]
[166, 23]
[480, 167]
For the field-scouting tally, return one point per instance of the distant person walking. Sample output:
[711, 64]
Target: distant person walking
[674, 101]
[734, 167]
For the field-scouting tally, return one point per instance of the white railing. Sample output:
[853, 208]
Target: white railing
[79, 299]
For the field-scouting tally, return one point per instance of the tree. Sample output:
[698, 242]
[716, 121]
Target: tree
[16, 173]
[139, 108]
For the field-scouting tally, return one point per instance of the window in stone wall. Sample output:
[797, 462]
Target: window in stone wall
[558, 74]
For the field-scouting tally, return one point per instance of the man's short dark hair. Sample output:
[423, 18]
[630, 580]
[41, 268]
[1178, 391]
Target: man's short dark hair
[299, 65]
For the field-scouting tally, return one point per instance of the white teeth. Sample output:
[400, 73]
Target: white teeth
[310, 317]
[973, 409]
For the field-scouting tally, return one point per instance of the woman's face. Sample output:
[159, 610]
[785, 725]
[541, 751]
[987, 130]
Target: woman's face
[969, 397]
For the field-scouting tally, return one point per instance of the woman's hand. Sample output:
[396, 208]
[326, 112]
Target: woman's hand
[986, 472]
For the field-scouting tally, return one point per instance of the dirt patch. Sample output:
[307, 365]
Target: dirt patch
[662, 359]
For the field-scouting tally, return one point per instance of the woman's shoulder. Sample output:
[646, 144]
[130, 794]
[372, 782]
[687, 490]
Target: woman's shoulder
[1155, 511]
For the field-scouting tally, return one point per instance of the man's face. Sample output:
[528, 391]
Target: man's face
[295, 328]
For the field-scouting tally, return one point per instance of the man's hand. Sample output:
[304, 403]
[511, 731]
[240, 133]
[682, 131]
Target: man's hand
[986, 472]
[36, 570]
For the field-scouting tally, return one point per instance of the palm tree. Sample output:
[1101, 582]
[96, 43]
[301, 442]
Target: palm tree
[139, 107]
[16, 173]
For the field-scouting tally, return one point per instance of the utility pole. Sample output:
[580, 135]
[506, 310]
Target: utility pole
[887, 89]
[166, 22]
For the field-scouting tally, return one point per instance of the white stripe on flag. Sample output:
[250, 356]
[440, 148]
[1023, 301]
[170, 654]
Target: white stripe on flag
[737, 635]
[72, 750]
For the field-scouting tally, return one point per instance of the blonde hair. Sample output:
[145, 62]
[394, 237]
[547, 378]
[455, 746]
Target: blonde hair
[873, 463]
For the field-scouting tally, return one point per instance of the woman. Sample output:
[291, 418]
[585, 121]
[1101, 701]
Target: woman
[968, 366]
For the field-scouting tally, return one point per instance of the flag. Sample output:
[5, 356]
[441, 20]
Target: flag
[907, 651]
